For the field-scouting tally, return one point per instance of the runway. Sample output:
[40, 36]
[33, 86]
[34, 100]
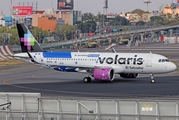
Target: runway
[30, 78]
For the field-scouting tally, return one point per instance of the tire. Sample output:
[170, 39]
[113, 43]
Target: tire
[152, 81]
[85, 80]
[89, 79]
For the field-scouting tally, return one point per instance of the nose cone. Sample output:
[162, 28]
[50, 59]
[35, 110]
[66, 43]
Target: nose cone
[172, 67]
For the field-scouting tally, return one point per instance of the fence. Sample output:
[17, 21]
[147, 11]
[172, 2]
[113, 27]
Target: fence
[66, 44]
[31, 106]
[6, 52]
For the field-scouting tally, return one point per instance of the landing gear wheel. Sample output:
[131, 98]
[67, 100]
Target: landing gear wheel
[152, 81]
[89, 79]
[86, 79]
[152, 78]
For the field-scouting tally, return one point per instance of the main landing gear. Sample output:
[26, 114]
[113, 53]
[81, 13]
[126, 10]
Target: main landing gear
[152, 78]
[87, 79]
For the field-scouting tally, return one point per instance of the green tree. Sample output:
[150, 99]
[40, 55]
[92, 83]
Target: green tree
[65, 30]
[100, 18]
[139, 12]
[80, 25]
[166, 21]
[3, 29]
[39, 34]
[157, 19]
[88, 17]
[120, 21]
[169, 16]
[45, 33]
[13, 37]
[140, 23]
[89, 26]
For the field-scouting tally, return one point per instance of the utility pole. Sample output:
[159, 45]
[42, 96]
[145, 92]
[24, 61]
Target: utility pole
[105, 7]
[147, 2]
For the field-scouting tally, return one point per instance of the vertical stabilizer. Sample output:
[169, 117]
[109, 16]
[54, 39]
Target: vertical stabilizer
[27, 41]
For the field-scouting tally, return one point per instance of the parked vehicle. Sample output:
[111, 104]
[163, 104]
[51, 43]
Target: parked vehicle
[92, 44]
[123, 41]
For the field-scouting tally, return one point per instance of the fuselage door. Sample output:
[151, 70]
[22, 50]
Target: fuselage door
[41, 57]
[149, 61]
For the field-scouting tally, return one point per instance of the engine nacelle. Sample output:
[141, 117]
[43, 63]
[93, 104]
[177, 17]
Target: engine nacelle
[128, 75]
[104, 74]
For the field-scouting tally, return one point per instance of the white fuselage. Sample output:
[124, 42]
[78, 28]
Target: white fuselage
[120, 62]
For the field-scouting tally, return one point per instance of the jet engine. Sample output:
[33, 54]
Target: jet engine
[104, 74]
[128, 75]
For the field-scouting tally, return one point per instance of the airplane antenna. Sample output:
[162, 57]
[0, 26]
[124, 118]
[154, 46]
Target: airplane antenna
[112, 47]
[150, 52]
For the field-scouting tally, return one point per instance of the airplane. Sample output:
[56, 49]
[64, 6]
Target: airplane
[100, 66]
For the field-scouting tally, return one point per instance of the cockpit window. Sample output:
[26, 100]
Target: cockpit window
[167, 60]
[163, 60]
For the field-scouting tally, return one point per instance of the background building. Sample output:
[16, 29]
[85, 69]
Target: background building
[172, 8]
[2, 21]
[41, 18]
[47, 22]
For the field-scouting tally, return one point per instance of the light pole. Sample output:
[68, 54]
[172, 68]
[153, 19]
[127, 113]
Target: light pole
[103, 20]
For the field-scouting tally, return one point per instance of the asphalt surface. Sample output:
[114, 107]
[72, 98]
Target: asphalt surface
[30, 78]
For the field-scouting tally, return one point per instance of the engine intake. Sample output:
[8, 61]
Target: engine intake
[128, 75]
[106, 74]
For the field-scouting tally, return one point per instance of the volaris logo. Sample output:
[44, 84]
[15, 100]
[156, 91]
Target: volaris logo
[28, 40]
[121, 60]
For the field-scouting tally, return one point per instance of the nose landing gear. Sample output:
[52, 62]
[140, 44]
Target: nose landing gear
[152, 78]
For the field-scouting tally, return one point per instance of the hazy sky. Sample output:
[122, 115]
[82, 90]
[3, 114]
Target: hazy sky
[93, 6]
